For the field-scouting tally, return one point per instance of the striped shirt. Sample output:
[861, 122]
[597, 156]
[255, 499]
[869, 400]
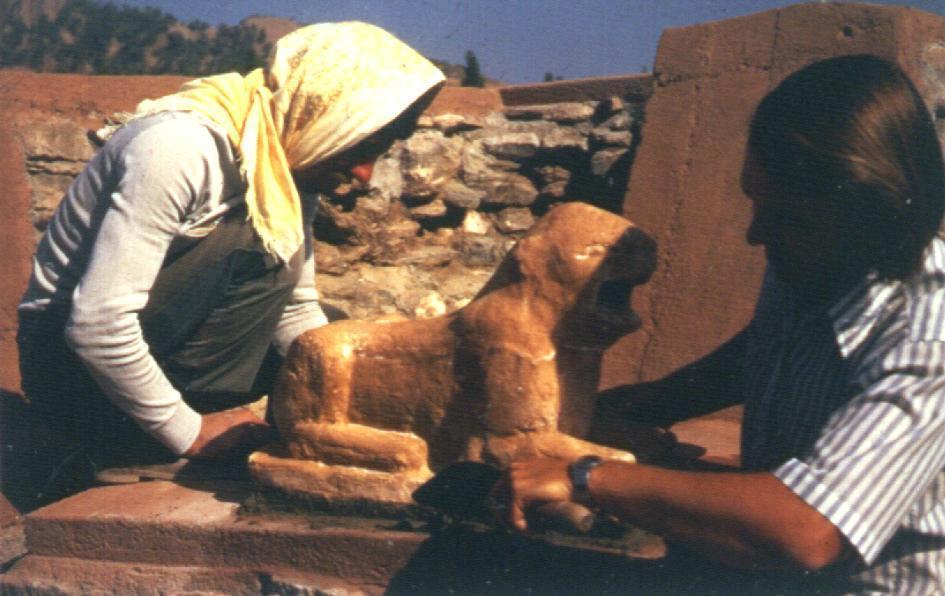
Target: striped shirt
[846, 406]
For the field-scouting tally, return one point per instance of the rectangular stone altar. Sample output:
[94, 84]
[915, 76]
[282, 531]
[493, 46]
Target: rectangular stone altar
[164, 536]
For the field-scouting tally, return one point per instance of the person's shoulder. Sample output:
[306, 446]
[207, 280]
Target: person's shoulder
[167, 134]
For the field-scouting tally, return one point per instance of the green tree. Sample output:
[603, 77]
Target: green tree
[473, 76]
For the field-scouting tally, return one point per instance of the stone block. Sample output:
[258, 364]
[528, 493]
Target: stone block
[514, 219]
[471, 102]
[634, 87]
[428, 161]
[613, 138]
[459, 195]
[685, 189]
[512, 145]
[166, 538]
[567, 112]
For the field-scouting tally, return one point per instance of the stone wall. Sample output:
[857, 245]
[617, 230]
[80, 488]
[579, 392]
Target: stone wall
[446, 204]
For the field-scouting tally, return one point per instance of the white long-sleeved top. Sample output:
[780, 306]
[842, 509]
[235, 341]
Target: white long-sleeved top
[157, 187]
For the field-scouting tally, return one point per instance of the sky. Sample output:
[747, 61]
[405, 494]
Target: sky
[515, 41]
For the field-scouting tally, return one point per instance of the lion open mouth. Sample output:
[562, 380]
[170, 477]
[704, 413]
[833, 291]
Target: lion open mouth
[614, 303]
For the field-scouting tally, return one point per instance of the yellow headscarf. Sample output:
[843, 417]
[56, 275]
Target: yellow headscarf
[325, 88]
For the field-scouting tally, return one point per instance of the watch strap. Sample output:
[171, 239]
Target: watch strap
[579, 472]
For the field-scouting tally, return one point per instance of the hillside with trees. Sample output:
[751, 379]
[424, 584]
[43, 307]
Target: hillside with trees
[84, 36]
[92, 37]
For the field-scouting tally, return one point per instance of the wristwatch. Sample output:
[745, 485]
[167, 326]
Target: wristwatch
[579, 471]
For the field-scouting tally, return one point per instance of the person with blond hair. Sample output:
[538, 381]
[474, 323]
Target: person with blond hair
[179, 266]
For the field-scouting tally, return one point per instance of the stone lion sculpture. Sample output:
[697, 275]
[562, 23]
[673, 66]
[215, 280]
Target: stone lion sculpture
[366, 410]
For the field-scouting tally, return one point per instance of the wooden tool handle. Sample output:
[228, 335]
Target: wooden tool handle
[573, 515]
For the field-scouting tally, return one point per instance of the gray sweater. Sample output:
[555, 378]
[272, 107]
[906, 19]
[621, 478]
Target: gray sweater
[158, 186]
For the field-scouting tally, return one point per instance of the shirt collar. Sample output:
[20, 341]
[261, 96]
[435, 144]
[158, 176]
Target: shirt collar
[858, 312]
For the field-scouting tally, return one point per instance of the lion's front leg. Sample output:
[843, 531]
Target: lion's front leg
[358, 446]
[345, 461]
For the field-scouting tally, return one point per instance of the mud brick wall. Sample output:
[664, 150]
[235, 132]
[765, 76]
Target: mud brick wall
[685, 184]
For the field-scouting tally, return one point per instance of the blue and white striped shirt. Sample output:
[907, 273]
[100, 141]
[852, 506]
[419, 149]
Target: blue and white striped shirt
[846, 406]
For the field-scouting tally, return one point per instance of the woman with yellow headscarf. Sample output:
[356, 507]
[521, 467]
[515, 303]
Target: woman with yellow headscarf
[179, 265]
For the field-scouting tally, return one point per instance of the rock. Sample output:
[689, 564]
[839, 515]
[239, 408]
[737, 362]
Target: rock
[610, 105]
[494, 120]
[449, 123]
[475, 223]
[433, 209]
[441, 236]
[511, 189]
[425, 304]
[603, 160]
[47, 191]
[478, 166]
[554, 180]
[387, 179]
[112, 124]
[484, 172]
[374, 207]
[553, 173]
[569, 112]
[524, 112]
[459, 195]
[423, 256]
[57, 142]
[429, 160]
[514, 219]
[328, 259]
[478, 250]
[538, 127]
[425, 121]
[566, 112]
[458, 283]
[555, 190]
[393, 238]
[512, 145]
[56, 150]
[612, 138]
[619, 121]
[566, 138]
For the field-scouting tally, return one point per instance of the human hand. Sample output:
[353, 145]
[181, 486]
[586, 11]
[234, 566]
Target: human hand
[528, 484]
[228, 433]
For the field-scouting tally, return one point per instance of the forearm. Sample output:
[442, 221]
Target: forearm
[708, 385]
[743, 520]
[116, 355]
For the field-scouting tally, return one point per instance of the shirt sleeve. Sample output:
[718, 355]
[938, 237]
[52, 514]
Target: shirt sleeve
[159, 174]
[303, 311]
[880, 452]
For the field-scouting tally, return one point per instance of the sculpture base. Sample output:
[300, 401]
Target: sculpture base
[171, 538]
[333, 484]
